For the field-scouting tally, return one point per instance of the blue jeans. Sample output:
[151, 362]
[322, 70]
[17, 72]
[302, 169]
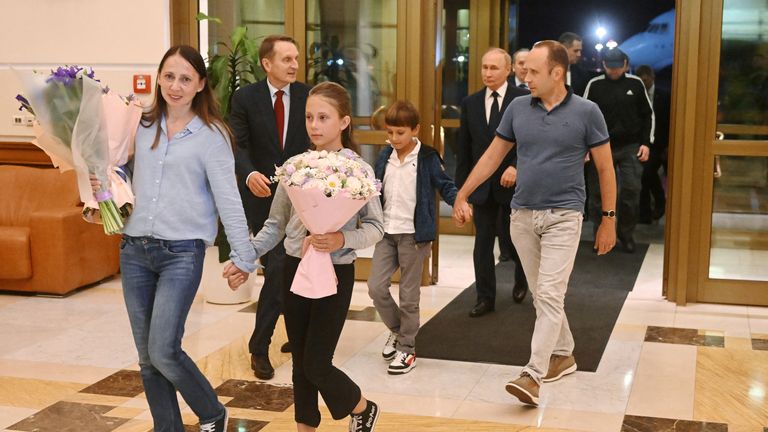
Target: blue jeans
[160, 279]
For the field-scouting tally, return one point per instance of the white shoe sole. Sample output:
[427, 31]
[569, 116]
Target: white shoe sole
[522, 394]
[565, 372]
[401, 371]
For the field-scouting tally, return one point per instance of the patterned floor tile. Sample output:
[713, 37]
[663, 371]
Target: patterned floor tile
[683, 336]
[122, 383]
[70, 416]
[256, 395]
[651, 424]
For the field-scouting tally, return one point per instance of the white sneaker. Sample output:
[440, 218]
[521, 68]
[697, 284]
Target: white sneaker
[389, 348]
[402, 364]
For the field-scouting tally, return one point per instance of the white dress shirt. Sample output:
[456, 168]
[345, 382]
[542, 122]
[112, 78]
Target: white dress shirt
[400, 192]
[489, 99]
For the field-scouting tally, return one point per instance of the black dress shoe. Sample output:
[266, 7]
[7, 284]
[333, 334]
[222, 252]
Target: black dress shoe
[286, 348]
[519, 291]
[261, 366]
[628, 245]
[480, 309]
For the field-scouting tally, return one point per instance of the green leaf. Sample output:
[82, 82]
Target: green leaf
[202, 17]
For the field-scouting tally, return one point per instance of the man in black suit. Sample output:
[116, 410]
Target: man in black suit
[577, 77]
[267, 120]
[480, 116]
[651, 182]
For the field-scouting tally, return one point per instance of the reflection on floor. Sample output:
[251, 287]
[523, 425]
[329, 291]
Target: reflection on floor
[69, 364]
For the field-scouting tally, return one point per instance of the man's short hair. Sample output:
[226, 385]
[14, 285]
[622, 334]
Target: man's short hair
[507, 57]
[521, 50]
[557, 55]
[267, 47]
[567, 38]
[402, 113]
[645, 70]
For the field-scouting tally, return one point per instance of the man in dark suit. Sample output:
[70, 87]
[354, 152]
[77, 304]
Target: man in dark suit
[480, 116]
[267, 120]
[651, 182]
[577, 77]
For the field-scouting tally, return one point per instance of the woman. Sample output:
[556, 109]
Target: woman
[314, 325]
[183, 179]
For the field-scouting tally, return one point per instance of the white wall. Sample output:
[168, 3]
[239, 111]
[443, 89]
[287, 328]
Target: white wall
[118, 38]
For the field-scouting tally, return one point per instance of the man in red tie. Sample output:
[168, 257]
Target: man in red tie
[267, 120]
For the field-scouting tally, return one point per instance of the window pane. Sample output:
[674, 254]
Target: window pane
[740, 219]
[743, 86]
[354, 43]
[261, 18]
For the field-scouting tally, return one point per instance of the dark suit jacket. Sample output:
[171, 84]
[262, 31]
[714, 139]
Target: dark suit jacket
[579, 78]
[475, 135]
[661, 110]
[253, 123]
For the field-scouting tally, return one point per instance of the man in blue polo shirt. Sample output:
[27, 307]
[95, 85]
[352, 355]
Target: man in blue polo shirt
[553, 130]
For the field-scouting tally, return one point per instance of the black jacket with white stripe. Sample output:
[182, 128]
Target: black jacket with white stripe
[625, 105]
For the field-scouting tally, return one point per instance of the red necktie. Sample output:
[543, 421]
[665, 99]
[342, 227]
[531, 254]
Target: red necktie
[279, 115]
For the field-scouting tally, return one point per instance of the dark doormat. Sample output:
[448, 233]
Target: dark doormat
[596, 293]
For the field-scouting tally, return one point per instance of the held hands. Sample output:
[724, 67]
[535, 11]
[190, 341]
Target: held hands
[462, 212]
[605, 239]
[235, 277]
[643, 153]
[509, 177]
[258, 184]
[327, 242]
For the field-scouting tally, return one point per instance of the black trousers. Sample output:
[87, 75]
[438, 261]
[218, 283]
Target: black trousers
[314, 327]
[270, 301]
[485, 217]
[628, 173]
[651, 187]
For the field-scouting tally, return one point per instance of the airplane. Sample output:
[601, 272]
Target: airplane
[654, 46]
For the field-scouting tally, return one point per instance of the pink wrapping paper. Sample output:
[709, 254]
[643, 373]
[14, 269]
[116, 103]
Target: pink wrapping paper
[315, 278]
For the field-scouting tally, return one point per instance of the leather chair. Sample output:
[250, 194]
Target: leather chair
[45, 245]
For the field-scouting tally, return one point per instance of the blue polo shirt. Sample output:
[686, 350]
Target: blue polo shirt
[551, 146]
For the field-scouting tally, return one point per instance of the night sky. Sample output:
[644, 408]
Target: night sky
[547, 19]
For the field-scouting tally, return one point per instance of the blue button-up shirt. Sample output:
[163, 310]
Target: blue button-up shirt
[184, 184]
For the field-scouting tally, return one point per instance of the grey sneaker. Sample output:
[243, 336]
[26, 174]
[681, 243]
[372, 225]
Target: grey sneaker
[366, 420]
[524, 388]
[219, 425]
[389, 350]
[559, 366]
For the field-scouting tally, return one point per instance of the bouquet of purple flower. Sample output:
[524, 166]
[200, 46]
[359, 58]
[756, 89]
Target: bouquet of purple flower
[86, 128]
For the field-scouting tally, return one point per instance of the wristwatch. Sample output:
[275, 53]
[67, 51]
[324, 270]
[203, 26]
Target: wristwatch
[609, 213]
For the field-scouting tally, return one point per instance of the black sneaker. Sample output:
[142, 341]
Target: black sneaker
[219, 425]
[366, 420]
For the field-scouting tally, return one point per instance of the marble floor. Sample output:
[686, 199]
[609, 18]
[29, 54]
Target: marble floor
[68, 364]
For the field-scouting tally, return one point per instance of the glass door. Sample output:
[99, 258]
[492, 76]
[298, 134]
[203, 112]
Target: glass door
[735, 225]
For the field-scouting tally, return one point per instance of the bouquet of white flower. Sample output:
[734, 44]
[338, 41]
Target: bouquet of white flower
[326, 190]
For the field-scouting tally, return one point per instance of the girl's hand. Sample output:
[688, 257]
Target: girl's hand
[327, 242]
[235, 277]
[95, 183]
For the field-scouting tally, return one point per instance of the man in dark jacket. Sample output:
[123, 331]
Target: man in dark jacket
[480, 116]
[628, 113]
[267, 120]
[651, 181]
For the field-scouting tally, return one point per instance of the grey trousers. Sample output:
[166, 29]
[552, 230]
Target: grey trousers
[547, 241]
[393, 251]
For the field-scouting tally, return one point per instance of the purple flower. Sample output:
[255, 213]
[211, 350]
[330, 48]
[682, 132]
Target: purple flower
[67, 74]
[25, 105]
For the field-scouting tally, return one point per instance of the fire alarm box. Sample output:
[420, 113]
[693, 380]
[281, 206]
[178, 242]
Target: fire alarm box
[142, 84]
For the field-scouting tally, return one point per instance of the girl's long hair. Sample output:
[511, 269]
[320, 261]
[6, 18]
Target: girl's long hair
[339, 98]
[204, 105]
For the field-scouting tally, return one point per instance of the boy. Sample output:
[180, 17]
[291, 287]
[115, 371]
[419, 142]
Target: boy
[410, 173]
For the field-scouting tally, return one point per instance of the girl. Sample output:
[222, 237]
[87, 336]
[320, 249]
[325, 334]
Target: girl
[314, 325]
[184, 179]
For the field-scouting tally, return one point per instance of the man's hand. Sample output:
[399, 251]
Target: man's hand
[605, 239]
[235, 277]
[643, 153]
[462, 212]
[327, 242]
[258, 184]
[509, 177]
